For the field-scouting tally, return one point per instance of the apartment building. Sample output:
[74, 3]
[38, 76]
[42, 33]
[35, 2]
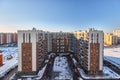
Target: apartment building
[108, 39]
[79, 34]
[8, 38]
[91, 52]
[3, 38]
[32, 46]
[42, 48]
[60, 42]
[83, 34]
[116, 33]
[14, 37]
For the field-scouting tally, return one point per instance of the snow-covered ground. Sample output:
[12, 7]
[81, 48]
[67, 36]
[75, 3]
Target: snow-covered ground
[40, 73]
[107, 74]
[110, 73]
[113, 55]
[61, 67]
[7, 51]
[8, 64]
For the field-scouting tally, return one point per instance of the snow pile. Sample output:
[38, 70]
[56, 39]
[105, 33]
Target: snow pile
[61, 67]
[113, 55]
[110, 73]
[8, 64]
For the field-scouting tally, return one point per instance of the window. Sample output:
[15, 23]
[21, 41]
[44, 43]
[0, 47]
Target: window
[97, 37]
[91, 37]
[23, 37]
[29, 38]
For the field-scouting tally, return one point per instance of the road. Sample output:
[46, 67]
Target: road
[11, 73]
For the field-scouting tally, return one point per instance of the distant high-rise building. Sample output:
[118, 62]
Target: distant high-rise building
[3, 38]
[6, 38]
[108, 39]
[116, 33]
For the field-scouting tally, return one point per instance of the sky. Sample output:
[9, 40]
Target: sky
[59, 15]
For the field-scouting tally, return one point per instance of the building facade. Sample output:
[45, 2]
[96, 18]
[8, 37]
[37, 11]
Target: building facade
[78, 35]
[95, 55]
[3, 38]
[60, 42]
[91, 52]
[108, 39]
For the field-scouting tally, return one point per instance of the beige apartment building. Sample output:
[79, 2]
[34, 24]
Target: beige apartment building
[112, 38]
[108, 39]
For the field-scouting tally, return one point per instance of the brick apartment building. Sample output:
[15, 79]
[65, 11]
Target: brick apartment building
[60, 42]
[6, 38]
[34, 45]
[33, 48]
[91, 51]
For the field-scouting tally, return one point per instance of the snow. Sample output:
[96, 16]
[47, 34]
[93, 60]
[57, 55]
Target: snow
[40, 73]
[61, 66]
[114, 52]
[7, 51]
[74, 60]
[110, 73]
[8, 64]
[113, 55]
[107, 74]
